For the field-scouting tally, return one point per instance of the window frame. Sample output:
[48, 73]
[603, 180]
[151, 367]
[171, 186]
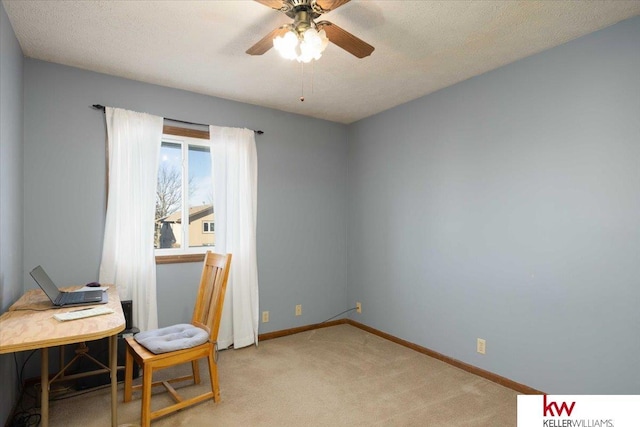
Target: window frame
[184, 137]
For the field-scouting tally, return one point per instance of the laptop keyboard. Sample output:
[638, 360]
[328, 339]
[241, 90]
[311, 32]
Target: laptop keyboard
[71, 297]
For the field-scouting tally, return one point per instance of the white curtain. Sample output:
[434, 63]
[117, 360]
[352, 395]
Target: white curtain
[128, 258]
[235, 181]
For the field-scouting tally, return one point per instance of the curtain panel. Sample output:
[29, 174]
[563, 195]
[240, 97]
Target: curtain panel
[235, 176]
[128, 258]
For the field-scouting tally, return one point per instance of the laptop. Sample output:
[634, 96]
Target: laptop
[63, 299]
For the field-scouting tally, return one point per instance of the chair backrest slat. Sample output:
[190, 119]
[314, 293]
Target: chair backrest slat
[210, 300]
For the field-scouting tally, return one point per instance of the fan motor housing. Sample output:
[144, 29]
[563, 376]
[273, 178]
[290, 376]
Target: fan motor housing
[292, 8]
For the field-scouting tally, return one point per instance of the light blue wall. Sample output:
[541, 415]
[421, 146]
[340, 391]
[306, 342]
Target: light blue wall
[301, 191]
[11, 188]
[507, 207]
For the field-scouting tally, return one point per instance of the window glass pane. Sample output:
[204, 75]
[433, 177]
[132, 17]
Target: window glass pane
[168, 233]
[200, 197]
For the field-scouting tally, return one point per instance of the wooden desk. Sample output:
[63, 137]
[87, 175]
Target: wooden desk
[29, 324]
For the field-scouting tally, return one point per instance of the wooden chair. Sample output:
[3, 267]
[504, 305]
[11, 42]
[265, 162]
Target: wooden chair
[206, 315]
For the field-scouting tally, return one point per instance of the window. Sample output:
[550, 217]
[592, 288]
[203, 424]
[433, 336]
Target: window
[208, 227]
[184, 221]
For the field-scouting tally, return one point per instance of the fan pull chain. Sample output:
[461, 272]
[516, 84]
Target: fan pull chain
[313, 73]
[302, 79]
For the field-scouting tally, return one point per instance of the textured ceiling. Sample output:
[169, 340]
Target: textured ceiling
[420, 46]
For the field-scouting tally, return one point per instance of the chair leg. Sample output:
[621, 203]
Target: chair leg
[213, 374]
[196, 371]
[128, 374]
[147, 380]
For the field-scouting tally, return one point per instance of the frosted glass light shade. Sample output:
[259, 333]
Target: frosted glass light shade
[305, 48]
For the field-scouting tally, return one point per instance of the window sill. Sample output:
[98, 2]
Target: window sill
[175, 259]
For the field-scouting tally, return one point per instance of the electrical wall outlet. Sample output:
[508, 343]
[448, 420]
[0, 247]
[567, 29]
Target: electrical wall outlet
[265, 317]
[481, 346]
[358, 307]
[299, 310]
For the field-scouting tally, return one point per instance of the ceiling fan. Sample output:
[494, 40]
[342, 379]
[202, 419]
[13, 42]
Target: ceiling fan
[304, 13]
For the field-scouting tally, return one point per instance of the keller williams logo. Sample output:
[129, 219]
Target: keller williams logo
[548, 408]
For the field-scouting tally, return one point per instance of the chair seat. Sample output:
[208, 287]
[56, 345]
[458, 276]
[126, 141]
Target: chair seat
[143, 356]
[172, 338]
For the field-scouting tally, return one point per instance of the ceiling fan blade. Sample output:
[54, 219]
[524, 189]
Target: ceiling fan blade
[274, 4]
[346, 40]
[266, 42]
[331, 4]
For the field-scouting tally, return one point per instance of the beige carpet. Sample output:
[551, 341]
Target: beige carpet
[335, 376]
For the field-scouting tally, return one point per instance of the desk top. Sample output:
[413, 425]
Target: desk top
[29, 323]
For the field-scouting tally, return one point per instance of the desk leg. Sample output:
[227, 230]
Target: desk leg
[113, 365]
[44, 384]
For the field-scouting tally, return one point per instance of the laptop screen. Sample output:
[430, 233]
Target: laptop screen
[44, 281]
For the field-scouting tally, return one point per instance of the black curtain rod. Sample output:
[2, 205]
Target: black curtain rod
[101, 107]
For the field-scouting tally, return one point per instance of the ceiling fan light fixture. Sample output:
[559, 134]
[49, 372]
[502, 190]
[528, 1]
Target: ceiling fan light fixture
[287, 45]
[313, 44]
[304, 48]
